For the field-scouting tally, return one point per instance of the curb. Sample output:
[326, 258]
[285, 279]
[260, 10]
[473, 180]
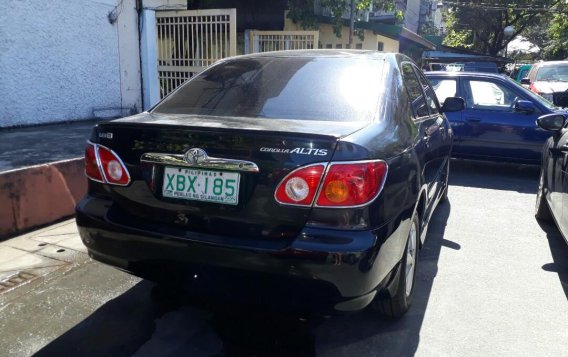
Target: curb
[38, 195]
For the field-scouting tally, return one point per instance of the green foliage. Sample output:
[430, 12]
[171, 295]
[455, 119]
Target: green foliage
[557, 48]
[456, 35]
[550, 34]
[428, 28]
[302, 11]
[479, 25]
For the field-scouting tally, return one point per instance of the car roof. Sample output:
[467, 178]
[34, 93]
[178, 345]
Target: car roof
[464, 74]
[322, 53]
[551, 63]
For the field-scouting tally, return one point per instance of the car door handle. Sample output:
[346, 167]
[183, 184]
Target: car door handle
[472, 120]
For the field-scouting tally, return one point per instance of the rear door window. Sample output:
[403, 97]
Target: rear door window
[414, 89]
[428, 93]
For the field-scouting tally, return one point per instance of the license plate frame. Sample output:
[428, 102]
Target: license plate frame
[201, 185]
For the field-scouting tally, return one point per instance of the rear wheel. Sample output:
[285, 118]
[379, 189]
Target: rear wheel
[542, 211]
[398, 304]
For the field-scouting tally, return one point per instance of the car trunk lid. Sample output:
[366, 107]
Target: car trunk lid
[249, 156]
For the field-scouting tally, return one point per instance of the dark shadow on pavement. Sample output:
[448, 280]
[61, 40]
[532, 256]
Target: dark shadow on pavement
[148, 321]
[494, 175]
[367, 334]
[117, 328]
[559, 250]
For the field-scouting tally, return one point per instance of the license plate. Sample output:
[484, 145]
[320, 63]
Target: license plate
[201, 185]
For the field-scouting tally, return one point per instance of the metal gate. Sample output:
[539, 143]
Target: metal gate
[264, 41]
[190, 40]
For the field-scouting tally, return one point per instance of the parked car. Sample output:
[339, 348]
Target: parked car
[301, 178]
[551, 200]
[521, 72]
[499, 119]
[550, 80]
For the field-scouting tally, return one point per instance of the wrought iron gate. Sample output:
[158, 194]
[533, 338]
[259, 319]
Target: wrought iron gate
[190, 40]
[264, 41]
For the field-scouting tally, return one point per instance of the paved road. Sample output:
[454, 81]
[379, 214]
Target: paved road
[39, 144]
[492, 281]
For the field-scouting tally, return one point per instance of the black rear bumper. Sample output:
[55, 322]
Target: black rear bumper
[322, 270]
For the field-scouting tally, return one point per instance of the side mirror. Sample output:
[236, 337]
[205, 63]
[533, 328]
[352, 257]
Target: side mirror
[525, 80]
[453, 104]
[525, 106]
[551, 122]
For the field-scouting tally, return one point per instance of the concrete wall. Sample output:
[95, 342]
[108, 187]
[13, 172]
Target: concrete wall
[60, 60]
[39, 195]
[412, 15]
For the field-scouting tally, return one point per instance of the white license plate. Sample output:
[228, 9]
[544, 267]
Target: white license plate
[201, 185]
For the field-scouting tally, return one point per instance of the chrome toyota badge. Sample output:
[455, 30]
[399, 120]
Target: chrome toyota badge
[195, 156]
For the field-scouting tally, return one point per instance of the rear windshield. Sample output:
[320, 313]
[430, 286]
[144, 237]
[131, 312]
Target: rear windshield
[321, 88]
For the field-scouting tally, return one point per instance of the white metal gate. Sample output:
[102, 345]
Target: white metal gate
[264, 41]
[190, 40]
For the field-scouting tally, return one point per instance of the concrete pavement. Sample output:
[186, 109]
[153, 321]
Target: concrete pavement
[491, 281]
[32, 257]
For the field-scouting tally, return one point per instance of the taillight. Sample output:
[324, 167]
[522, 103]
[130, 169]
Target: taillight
[103, 165]
[352, 184]
[344, 184]
[91, 165]
[300, 186]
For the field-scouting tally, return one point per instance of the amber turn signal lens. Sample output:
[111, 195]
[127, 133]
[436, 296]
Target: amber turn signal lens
[336, 191]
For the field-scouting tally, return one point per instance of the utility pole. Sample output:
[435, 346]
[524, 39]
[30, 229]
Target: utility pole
[351, 23]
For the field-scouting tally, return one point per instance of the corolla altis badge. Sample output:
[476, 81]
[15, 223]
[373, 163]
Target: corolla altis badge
[300, 151]
[195, 156]
[105, 135]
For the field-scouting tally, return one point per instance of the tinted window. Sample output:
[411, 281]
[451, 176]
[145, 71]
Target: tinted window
[414, 91]
[430, 96]
[335, 89]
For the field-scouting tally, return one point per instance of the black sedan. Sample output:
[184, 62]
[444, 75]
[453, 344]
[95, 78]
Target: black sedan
[302, 179]
[551, 199]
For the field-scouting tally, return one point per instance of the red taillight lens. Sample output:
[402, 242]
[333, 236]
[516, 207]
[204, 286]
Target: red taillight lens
[91, 166]
[113, 169]
[300, 186]
[352, 184]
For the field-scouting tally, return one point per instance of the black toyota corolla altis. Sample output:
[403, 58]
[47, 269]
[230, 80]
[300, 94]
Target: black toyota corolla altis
[303, 179]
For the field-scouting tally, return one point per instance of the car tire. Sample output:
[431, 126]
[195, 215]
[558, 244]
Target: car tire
[542, 210]
[399, 303]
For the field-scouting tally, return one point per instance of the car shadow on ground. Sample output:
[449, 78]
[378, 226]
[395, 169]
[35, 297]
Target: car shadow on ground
[494, 175]
[149, 321]
[366, 333]
[559, 251]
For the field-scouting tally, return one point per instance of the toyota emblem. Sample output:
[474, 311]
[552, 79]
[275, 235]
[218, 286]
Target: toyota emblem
[195, 156]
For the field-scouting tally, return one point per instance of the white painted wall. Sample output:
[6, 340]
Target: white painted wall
[63, 60]
[412, 15]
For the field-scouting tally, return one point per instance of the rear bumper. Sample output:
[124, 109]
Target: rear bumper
[321, 270]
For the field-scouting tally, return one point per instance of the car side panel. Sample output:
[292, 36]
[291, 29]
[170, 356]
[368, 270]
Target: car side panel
[559, 192]
[493, 134]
